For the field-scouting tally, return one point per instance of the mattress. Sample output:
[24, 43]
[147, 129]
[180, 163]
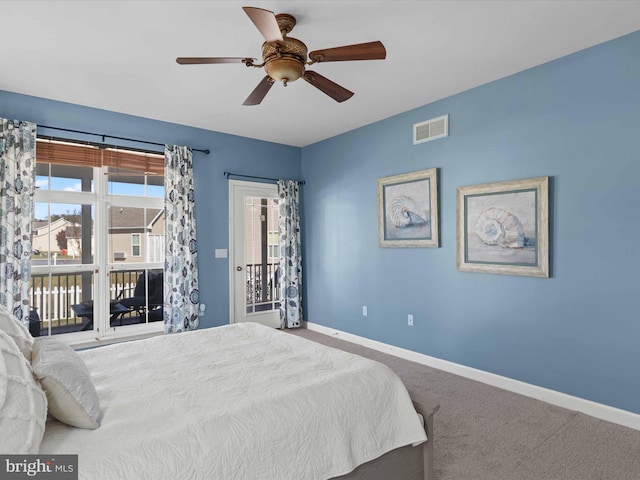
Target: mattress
[240, 401]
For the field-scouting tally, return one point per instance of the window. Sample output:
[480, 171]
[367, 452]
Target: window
[273, 243]
[98, 213]
[155, 247]
[261, 253]
[135, 244]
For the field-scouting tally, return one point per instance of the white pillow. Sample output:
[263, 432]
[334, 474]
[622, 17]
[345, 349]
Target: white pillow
[16, 330]
[67, 383]
[23, 405]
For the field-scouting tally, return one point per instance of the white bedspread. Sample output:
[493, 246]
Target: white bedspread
[238, 402]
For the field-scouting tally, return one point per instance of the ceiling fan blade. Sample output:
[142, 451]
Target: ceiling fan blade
[260, 91]
[204, 60]
[360, 51]
[335, 91]
[266, 22]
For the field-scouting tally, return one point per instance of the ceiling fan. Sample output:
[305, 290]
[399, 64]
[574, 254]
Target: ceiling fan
[285, 58]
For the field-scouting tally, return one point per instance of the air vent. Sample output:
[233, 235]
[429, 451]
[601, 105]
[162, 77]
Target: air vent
[431, 129]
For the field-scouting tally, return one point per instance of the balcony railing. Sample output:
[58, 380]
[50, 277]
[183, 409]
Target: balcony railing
[52, 295]
[262, 291]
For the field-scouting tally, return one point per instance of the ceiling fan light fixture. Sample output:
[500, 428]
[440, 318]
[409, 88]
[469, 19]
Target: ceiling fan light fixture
[284, 69]
[286, 62]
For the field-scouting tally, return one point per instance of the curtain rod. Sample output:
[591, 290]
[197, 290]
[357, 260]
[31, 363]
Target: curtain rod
[228, 174]
[118, 138]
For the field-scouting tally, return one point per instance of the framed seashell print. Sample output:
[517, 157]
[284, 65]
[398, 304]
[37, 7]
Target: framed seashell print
[408, 210]
[504, 227]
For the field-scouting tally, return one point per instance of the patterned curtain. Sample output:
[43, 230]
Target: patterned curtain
[290, 269]
[181, 296]
[17, 187]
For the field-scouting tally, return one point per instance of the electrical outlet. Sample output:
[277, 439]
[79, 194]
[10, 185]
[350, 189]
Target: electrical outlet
[410, 320]
[364, 311]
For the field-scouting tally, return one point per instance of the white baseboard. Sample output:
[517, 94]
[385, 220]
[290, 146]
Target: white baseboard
[588, 407]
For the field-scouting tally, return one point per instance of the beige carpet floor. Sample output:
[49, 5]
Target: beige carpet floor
[485, 433]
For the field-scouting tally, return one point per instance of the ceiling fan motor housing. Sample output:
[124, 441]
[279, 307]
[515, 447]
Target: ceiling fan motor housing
[285, 63]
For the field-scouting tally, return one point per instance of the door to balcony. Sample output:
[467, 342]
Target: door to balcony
[254, 255]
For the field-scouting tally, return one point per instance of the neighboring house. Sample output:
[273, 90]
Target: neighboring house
[133, 236]
[261, 229]
[73, 234]
[44, 235]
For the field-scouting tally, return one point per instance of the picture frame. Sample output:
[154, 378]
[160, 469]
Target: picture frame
[503, 227]
[408, 210]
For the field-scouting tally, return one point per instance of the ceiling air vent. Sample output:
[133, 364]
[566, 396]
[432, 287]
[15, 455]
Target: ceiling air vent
[431, 129]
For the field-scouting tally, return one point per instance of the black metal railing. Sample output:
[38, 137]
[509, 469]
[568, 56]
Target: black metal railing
[262, 283]
[125, 282]
[52, 295]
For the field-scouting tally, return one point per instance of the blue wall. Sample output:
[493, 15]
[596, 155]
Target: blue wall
[228, 153]
[576, 120]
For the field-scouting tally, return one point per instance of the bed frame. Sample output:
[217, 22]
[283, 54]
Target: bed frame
[408, 463]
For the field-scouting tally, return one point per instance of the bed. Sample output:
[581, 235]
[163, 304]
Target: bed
[245, 401]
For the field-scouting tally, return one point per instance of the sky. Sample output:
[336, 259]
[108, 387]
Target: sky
[73, 185]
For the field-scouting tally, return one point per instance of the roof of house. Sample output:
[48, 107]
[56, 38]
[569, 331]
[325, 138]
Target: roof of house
[120, 218]
[130, 217]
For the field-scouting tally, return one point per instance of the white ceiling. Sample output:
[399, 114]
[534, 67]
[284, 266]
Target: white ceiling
[120, 56]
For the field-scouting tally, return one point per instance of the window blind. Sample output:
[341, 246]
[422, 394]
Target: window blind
[64, 153]
[130, 160]
[79, 155]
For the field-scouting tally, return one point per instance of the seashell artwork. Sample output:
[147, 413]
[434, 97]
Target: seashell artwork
[503, 227]
[408, 209]
[496, 226]
[403, 212]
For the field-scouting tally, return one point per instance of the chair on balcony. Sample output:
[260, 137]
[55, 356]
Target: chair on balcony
[139, 303]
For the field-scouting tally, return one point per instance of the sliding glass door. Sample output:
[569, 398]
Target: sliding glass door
[98, 242]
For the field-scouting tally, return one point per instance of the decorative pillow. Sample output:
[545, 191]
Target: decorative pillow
[67, 383]
[16, 330]
[23, 405]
